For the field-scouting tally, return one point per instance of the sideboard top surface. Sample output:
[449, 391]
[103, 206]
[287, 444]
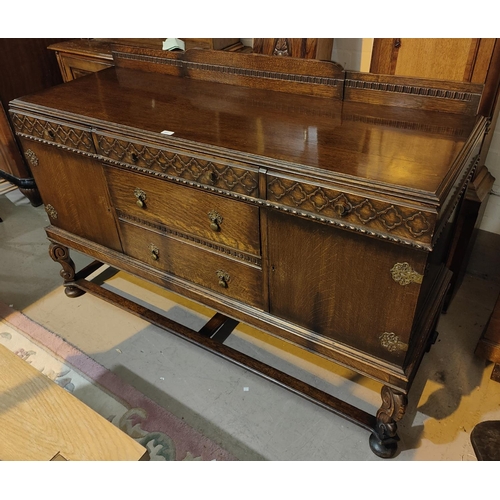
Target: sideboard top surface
[412, 149]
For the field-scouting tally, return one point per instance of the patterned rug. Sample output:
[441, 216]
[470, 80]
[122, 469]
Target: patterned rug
[165, 436]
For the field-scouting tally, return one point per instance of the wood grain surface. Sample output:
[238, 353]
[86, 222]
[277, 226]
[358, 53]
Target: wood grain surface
[39, 419]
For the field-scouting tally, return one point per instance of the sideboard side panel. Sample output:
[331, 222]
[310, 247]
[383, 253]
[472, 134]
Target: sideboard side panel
[74, 193]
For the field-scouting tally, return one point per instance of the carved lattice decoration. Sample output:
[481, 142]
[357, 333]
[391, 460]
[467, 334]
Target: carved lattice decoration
[69, 137]
[376, 215]
[174, 164]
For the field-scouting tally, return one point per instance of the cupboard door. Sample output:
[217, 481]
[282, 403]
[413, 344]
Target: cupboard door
[461, 59]
[339, 284]
[74, 192]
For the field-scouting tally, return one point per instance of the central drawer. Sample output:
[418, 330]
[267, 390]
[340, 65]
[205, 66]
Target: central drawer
[208, 269]
[185, 209]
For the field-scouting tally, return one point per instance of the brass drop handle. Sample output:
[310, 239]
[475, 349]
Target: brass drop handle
[342, 209]
[215, 220]
[224, 278]
[155, 252]
[140, 197]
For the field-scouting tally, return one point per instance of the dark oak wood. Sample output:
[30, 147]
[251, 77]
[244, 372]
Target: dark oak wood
[317, 205]
[495, 374]
[485, 440]
[79, 57]
[219, 327]
[309, 48]
[26, 66]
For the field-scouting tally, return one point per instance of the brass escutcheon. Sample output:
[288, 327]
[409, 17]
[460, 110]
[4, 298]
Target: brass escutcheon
[403, 274]
[51, 211]
[224, 278]
[391, 342]
[140, 196]
[215, 220]
[155, 251]
[31, 157]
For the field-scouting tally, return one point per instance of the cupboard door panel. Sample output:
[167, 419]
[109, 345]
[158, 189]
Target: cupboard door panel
[460, 59]
[75, 194]
[339, 284]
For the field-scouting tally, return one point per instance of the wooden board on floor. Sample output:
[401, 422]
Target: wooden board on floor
[39, 420]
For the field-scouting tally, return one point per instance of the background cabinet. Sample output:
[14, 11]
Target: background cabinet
[308, 48]
[26, 66]
[82, 56]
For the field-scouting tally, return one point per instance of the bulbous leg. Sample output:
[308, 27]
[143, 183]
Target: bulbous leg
[384, 440]
[33, 195]
[60, 253]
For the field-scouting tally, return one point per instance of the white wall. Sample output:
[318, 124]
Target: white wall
[491, 217]
[353, 53]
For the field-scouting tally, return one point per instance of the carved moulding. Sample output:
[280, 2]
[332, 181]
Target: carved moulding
[377, 216]
[183, 166]
[411, 90]
[68, 136]
[60, 253]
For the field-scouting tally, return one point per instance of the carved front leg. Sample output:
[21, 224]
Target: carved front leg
[384, 440]
[33, 195]
[60, 253]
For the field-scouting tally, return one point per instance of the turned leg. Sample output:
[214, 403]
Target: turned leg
[60, 253]
[384, 440]
[33, 195]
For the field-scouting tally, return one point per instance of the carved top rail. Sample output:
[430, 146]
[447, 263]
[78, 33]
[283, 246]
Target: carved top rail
[297, 76]
[416, 93]
[306, 77]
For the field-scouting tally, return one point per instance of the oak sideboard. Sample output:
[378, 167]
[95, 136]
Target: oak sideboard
[313, 203]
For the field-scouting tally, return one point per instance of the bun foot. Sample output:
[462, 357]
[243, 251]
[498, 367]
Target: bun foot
[73, 291]
[383, 448]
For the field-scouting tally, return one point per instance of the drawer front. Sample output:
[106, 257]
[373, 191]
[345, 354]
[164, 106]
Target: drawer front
[186, 210]
[212, 172]
[372, 216]
[66, 135]
[210, 270]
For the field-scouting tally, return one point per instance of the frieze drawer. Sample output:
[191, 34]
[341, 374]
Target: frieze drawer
[371, 216]
[205, 268]
[216, 173]
[185, 210]
[68, 136]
